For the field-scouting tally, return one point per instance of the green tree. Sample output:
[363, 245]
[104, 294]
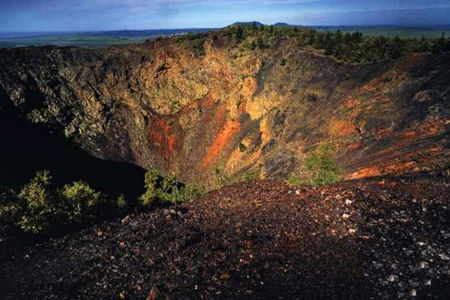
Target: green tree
[319, 41]
[328, 44]
[423, 47]
[348, 39]
[396, 47]
[357, 37]
[338, 38]
[260, 43]
[441, 45]
[322, 165]
[239, 35]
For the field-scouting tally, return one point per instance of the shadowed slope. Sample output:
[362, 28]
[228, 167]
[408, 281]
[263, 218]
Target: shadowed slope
[26, 149]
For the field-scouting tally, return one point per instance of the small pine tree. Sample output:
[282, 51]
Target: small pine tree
[328, 44]
[323, 167]
[239, 36]
[441, 45]
[396, 47]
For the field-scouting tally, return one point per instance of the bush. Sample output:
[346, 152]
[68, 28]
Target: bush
[121, 202]
[178, 195]
[199, 47]
[39, 208]
[36, 203]
[251, 175]
[167, 190]
[322, 165]
[239, 35]
[221, 177]
[151, 187]
[77, 198]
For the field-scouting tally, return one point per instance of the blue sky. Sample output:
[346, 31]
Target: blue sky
[87, 15]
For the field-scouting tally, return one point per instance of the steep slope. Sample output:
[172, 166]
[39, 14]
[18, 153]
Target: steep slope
[189, 107]
[26, 149]
[382, 238]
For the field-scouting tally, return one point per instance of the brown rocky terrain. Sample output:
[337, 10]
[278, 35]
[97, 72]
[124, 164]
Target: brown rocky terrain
[206, 106]
[373, 238]
[168, 106]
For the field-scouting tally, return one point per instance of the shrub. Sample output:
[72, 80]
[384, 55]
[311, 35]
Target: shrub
[121, 202]
[151, 186]
[322, 165]
[250, 175]
[76, 199]
[221, 176]
[198, 46]
[38, 208]
[239, 35]
[178, 195]
[167, 190]
[36, 203]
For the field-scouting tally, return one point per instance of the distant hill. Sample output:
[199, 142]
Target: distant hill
[283, 25]
[248, 23]
[279, 24]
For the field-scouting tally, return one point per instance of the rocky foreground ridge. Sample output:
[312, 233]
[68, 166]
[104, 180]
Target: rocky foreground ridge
[190, 107]
[379, 238]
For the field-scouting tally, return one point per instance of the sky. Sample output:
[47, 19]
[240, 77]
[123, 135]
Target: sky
[93, 15]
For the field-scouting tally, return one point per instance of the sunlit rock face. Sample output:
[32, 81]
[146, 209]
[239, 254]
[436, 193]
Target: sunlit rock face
[166, 106]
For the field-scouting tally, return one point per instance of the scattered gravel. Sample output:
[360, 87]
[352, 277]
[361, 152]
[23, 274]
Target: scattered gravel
[258, 239]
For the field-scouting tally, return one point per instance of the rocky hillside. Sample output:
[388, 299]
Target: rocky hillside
[188, 106]
[382, 238]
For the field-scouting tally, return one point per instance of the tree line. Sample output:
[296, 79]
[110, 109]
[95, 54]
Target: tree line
[351, 47]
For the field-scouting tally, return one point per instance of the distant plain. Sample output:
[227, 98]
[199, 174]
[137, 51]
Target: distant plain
[102, 39]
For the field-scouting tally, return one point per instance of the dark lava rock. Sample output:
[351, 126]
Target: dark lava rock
[258, 239]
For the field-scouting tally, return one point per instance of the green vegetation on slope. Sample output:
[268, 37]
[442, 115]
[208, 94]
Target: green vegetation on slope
[321, 167]
[39, 207]
[348, 47]
[167, 190]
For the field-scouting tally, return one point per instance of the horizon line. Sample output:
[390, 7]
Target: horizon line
[215, 28]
